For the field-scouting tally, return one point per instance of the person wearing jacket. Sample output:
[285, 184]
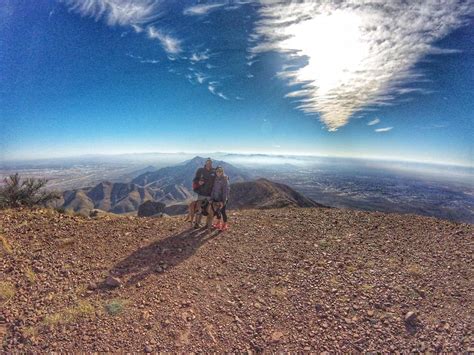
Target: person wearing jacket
[220, 193]
[202, 185]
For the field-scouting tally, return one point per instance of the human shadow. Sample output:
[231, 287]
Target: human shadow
[161, 255]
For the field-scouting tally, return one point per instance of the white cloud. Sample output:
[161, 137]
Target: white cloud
[150, 61]
[143, 60]
[357, 54]
[202, 9]
[134, 56]
[373, 122]
[116, 12]
[212, 88]
[170, 44]
[385, 129]
[222, 96]
[137, 29]
[434, 126]
[198, 57]
[200, 78]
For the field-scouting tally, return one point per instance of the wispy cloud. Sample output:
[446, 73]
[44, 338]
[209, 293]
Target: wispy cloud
[116, 12]
[137, 29]
[373, 122]
[385, 129]
[222, 96]
[198, 57]
[200, 78]
[134, 13]
[356, 54]
[170, 44]
[150, 61]
[434, 126]
[202, 9]
[213, 89]
[142, 60]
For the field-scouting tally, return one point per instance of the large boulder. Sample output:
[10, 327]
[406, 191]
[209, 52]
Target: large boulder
[150, 208]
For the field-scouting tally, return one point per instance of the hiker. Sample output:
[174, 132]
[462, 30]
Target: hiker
[202, 185]
[220, 194]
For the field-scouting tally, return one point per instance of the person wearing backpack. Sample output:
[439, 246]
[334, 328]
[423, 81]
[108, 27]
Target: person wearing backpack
[202, 185]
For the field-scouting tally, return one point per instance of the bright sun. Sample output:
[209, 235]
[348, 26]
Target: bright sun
[336, 51]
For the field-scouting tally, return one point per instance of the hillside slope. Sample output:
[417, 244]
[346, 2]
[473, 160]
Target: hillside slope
[114, 197]
[288, 279]
[265, 194]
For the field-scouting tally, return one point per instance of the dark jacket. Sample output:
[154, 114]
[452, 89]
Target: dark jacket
[221, 189]
[208, 176]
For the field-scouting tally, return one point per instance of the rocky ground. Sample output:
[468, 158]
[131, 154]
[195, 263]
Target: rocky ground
[287, 279]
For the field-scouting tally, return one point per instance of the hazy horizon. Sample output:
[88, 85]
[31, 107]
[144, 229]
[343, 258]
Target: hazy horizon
[244, 154]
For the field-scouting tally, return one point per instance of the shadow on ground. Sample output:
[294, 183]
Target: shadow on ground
[161, 255]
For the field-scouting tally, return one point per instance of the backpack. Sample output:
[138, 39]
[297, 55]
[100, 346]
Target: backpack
[196, 186]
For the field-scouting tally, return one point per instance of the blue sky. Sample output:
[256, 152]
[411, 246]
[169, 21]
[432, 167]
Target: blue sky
[96, 76]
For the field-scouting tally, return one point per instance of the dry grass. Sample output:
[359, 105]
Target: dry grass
[50, 212]
[414, 270]
[369, 264]
[30, 332]
[279, 291]
[5, 245]
[23, 224]
[30, 275]
[65, 242]
[351, 268]
[7, 291]
[68, 315]
[84, 308]
[324, 244]
[334, 282]
[366, 287]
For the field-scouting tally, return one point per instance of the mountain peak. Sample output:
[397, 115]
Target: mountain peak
[197, 160]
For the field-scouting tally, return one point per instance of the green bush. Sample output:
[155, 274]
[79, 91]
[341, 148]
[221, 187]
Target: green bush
[18, 192]
[114, 307]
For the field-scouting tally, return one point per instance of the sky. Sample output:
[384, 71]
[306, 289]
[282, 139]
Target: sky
[367, 79]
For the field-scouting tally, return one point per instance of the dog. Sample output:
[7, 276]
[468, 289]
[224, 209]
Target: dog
[193, 209]
[206, 208]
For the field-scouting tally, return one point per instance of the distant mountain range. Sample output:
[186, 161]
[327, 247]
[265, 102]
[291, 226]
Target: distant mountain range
[183, 174]
[172, 186]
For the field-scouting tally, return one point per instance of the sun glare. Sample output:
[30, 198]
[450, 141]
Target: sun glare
[335, 50]
[357, 55]
[333, 45]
